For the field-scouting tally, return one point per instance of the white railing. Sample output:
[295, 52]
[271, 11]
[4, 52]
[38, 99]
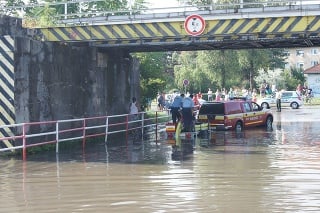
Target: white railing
[26, 135]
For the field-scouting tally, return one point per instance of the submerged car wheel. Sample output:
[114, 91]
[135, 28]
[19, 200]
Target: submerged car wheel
[294, 105]
[238, 126]
[265, 105]
[269, 122]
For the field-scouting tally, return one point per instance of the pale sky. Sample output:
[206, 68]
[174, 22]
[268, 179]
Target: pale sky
[175, 3]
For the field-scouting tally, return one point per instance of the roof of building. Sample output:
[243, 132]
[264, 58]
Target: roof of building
[313, 70]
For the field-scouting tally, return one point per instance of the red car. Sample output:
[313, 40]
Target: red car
[235, 114]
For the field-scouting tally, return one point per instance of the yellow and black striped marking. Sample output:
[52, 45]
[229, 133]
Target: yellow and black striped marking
[7, 114]
[136, 33]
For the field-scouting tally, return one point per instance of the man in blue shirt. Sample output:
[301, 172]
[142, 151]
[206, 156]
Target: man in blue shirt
[175, 107]
[187, 113]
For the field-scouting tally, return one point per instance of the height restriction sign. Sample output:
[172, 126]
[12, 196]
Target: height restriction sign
[194, 25]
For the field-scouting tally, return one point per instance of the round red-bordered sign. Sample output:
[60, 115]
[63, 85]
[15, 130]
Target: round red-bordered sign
[194, 25]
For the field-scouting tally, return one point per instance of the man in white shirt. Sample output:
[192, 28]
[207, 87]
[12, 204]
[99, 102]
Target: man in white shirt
[278, 100]
[209, 95]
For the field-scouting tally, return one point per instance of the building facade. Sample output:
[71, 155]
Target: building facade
[313, 79]
[303, 58]
[308, 60]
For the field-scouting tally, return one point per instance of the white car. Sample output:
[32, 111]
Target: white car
[288, 99]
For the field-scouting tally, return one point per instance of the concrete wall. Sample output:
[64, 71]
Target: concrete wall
[60, 81]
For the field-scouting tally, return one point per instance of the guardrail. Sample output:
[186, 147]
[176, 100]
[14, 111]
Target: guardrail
[26, 135]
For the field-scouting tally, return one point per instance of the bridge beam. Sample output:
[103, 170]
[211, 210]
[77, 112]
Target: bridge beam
[218, 34]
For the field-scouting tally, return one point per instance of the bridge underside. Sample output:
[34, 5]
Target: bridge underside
[236, 33]
[196, 44]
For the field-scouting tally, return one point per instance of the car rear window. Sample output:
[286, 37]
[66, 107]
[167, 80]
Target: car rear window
[212, 108]
[289, 94]
[286, 94]
[233, 107]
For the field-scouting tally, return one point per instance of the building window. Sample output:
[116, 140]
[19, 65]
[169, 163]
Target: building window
[286, 53]
[299, 65]
[314, 51]
[314, 63]
[287, 65]
[300, 53]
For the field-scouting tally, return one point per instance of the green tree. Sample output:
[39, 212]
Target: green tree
[293, 77]
[8, 8]
[208, 69]
[224, 66]
[60, 8]
[153, 78]
[42, 16]
[254, 60]
[52, 11]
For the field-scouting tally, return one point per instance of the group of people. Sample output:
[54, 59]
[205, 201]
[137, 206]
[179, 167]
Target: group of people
[304, 90]
[183, 107]
[265, 89]
[224, 95]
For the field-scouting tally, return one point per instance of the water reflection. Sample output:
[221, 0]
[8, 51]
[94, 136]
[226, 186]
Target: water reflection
[253, 137]
[257, 170]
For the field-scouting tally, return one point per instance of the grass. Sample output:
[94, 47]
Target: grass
[314, 101]
[163, 116]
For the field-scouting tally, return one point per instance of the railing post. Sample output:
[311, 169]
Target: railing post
[127, 128]
[142, 124]
[24, 142]
[57, 137]
[84, 134]
[156, 127]
[107, 130]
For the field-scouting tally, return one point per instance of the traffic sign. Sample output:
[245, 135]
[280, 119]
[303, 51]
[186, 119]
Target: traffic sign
[185, 82]
[194, 25]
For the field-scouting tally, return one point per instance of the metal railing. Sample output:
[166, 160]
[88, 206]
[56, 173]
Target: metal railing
[33, 134]
[91, 16]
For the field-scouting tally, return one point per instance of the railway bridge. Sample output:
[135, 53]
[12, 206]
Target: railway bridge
[224, 27]
[71, 69]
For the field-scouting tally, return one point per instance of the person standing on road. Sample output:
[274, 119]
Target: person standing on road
[231, 94]
[187, 113]
[218, 95]
[278, 97]
[175, 107]
[209, 94]
[133, 108]
[161, 101]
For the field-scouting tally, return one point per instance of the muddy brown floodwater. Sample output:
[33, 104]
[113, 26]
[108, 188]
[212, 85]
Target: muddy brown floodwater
[255, 171]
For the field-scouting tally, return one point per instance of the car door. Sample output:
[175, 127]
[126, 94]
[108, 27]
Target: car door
[250, 116]
[285, 99]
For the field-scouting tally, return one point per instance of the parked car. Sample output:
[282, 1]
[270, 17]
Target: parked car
[236, 114]
[288, 99]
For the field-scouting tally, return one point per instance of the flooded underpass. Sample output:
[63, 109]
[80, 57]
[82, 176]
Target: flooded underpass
[253, 171]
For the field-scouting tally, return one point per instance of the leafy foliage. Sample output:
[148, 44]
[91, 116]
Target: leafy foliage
[293, 77]
[224, 68]
[41, 16]
[153, 78]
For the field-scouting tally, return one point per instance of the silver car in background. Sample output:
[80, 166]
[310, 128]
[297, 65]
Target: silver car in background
[288, 99]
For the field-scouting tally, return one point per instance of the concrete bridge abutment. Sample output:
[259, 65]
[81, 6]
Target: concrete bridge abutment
[44, 81]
